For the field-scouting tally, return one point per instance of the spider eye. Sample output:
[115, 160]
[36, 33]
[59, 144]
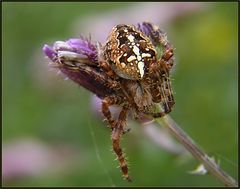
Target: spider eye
[129, 52]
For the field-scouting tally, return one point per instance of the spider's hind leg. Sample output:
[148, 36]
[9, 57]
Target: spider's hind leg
[106, 103]
[118, 129]
[117, 132]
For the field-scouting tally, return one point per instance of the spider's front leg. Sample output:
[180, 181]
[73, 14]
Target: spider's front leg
[160, 87]
[117, 132]
[107, 69]
[159, 71]
[166, 110]
[103, 64]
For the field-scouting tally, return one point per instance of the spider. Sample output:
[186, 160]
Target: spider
[130, 70]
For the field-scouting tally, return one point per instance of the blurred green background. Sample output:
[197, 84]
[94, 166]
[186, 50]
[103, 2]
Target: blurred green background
[39, 106]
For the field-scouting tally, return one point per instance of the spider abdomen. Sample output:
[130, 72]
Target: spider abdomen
[129, 52]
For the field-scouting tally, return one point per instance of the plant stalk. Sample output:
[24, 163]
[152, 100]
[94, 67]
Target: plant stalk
[210, 165]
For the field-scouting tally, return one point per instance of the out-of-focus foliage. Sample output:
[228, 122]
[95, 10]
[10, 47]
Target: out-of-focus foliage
[39, 105]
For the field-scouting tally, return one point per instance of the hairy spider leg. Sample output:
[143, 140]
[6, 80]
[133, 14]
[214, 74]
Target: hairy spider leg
[116, 136]
[106, 103]
[163, 90]
[107, 69]
[166, 63]
[167, 58]
[117, 130]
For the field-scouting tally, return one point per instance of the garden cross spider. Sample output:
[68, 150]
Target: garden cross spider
[130, 70]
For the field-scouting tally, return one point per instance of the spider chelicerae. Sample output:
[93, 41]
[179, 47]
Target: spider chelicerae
[131, 70]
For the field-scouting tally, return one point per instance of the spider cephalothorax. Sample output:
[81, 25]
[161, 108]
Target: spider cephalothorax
[131, 70]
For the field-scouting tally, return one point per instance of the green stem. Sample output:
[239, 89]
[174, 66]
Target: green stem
[189, 144]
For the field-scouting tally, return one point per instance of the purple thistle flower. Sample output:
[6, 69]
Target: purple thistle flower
[145, 28]
[153, 33]
[83, 47]
[49, 52]
[78, 60]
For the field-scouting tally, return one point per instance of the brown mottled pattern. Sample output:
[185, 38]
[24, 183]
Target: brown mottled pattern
[119, 50]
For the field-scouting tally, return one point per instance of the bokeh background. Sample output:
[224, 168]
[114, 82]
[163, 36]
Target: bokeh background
[53, 134]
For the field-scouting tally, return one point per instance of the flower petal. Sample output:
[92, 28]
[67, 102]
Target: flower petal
[49, 52]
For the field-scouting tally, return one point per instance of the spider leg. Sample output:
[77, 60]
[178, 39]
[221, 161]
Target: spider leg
[160, 86]
[166, 110]
[159, 82]
[166, 89]
[103, 64]
[116, 136]
[107, 69]
[158, 114]
[167, 59]
[106, 103]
